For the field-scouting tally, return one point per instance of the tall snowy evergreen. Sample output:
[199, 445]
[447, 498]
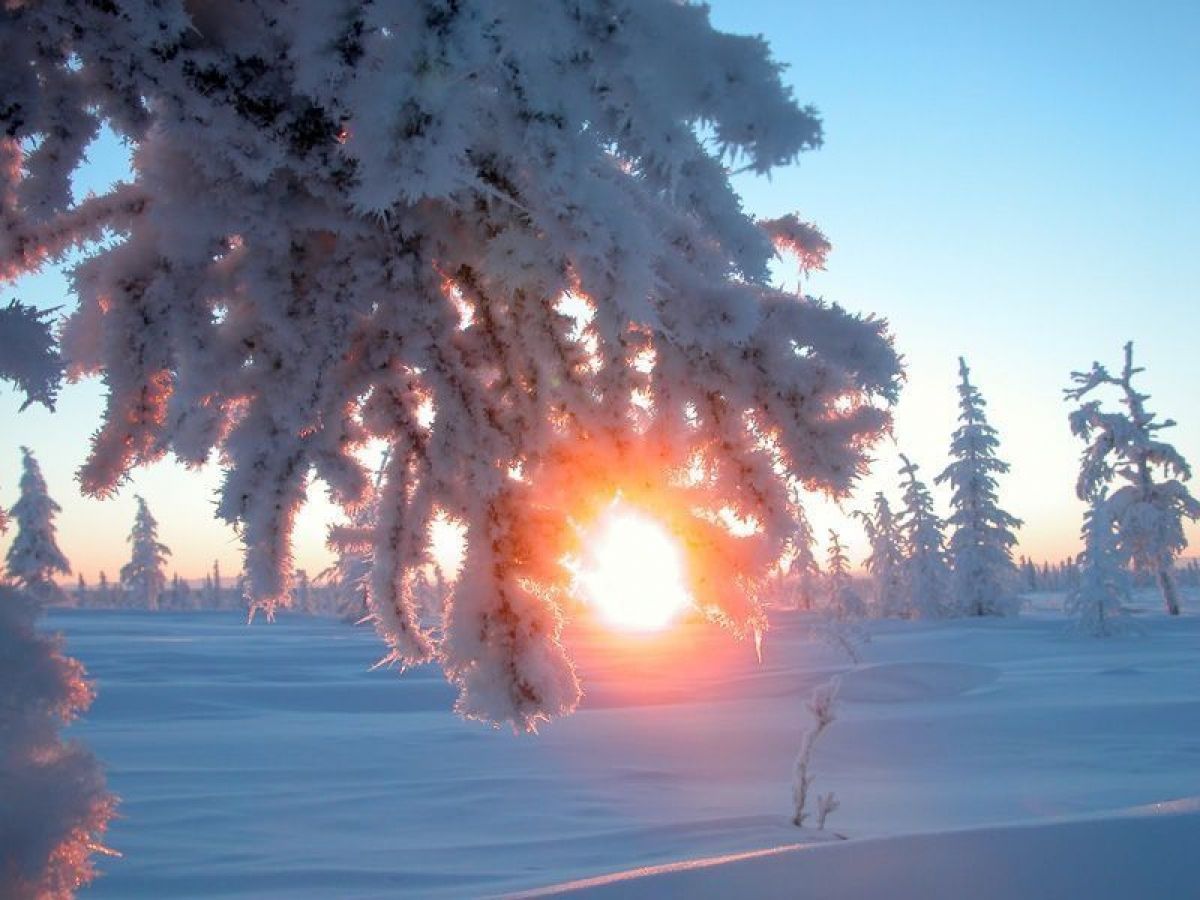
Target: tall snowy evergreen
[926, 572]
[985, 578]
[1096, 601]
[499, 235]
[33, 558]
[144, 577]
[885, 562]
[1151, 501]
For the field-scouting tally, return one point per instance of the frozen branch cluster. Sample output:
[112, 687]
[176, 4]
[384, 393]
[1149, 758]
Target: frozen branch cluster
[28, 355]
[499, 236]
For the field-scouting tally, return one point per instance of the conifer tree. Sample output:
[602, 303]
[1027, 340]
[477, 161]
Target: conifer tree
[103, 590]
[34, 557]
[926, 573]
[215, 600]
[843, 600]
[980, 548]
[886, 559]
[144, 576]
[1096, 601]
[1151, 502]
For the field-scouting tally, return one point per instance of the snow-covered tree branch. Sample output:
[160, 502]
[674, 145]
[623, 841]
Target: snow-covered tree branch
[492, 234]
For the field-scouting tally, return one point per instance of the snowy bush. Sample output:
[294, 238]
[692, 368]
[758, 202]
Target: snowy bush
[1096, 602]
[1148, 508]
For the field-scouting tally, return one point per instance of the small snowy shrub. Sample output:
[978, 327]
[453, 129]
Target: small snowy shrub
[822, 706]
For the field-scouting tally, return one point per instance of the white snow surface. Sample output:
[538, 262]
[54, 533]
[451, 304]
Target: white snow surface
[990, 758]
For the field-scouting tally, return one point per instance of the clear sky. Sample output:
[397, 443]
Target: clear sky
[1016, 183]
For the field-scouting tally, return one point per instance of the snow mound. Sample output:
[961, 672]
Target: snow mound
[913, 681]
[1133, 854]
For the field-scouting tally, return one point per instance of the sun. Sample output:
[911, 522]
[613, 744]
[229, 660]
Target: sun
[632, 572]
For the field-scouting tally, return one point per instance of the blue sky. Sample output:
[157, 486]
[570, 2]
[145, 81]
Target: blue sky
[1013, 182]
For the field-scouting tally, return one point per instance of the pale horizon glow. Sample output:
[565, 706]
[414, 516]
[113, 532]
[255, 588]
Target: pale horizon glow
[632, 574]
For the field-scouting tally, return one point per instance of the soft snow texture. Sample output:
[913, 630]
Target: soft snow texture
[353, 221]
[53, 804]
[270, 761]
[980, 548]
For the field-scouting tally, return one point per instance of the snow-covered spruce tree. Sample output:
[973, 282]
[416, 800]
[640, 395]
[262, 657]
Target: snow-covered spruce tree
[355, 220]
[885, 562]
[985, 578]
[842, 600]
[144, 577]
[33, 558]
[1151, 502]
[926, 572]
[1096, 602]
[55, 807]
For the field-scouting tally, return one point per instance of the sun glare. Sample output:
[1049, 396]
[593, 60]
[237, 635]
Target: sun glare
[633, 572]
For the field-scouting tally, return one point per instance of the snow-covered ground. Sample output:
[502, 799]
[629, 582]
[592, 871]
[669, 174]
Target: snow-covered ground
[269, 761]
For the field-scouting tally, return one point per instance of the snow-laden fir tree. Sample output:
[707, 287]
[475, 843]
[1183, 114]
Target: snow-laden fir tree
[985, 578]
[144, 577]
[842, 600]
[1096, 602]
[34, 558]
[214, 599]
[885, 562]
[499, 235]
[926, 572]
[1150, 501]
